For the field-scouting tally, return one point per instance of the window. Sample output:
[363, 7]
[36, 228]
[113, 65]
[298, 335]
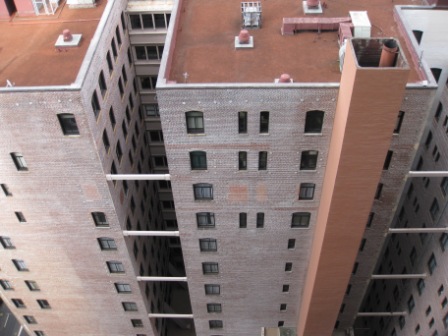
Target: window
[300, 219]
[112, 119]
[434, 210]
[205, 219]
[115, 267]
[285, 289]
[107, 243]
[20, 265]
[264, 122]
[149, 53]
[160, 161]
[445, 321]
[118, 35]
[19, 161]
[306, 191]
[399, 122]
[242, 122]
[114, 48]
[18, 303]
[314, 121]
[420, 286]
[148, 82]
[242, 160]
[20, 217]
[411, 304]
[440, 290]
[283, 307]
[443, 240]
[7, 243]
[137, 323]
[151, 110]
[243, 220]
[68, 124]
[417, 329]
[388, 160]
[129, 306]
[106, 142]
[215, 324]
[43, 304]
[413, 256]
[210, 268]
[214, 308]
[208, 245]
[124, 128]
[110, 64]
[118, 151]
[156, 136]
[262, 160]
[291, 244]
[212, 289]
[100, 219]
[288, 267]
[355, 268]
[260, 219]
[444, 303]
[32, 285]
[362, 245]
[432, 264]
[120, 87]
[195, 122]
[309, 160]
[379, 190]
[428, 139]
[6, 285]
[401, 322]
[436, 72]
[30, 319]
[203, 191]
[198, 160]
[39, 333]
[123, 287]
[281, 323]
[6, 190]
[150, 21]
[102, 84]
[444, 185]
[418, 34]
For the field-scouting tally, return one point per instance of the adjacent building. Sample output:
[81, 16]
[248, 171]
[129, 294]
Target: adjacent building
[161, 176]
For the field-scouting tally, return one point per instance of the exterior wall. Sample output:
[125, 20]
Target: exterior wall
[251, 287]
[402, 144]
[414, 207]
[64, 184]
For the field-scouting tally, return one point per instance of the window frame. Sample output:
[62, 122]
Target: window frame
[203, 191]
[6, 243]
[314, 126]
[212, 289]
[123, 288]
[100, 219]
[308, 160]
[107, 244]
[242, 122]
[262, 160]
[298, 218]
[195, 122]
[208, 245]
[210, 268]
[242, 160]
[306, 191]
[19, 161]
[20, 265]
[68, 124]
[198, 160]
[115, 267]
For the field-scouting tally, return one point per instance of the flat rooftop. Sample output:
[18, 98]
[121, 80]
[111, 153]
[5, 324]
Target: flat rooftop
[204, 42]
[28, 56]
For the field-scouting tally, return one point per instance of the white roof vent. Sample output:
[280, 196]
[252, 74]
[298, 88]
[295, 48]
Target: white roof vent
[361, 24]
[67, 39]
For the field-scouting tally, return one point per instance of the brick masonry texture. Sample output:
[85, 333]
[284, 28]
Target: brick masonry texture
[64, 183]
[251, 261]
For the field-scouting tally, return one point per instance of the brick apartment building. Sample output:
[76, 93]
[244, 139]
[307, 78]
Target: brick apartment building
[281, 197]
